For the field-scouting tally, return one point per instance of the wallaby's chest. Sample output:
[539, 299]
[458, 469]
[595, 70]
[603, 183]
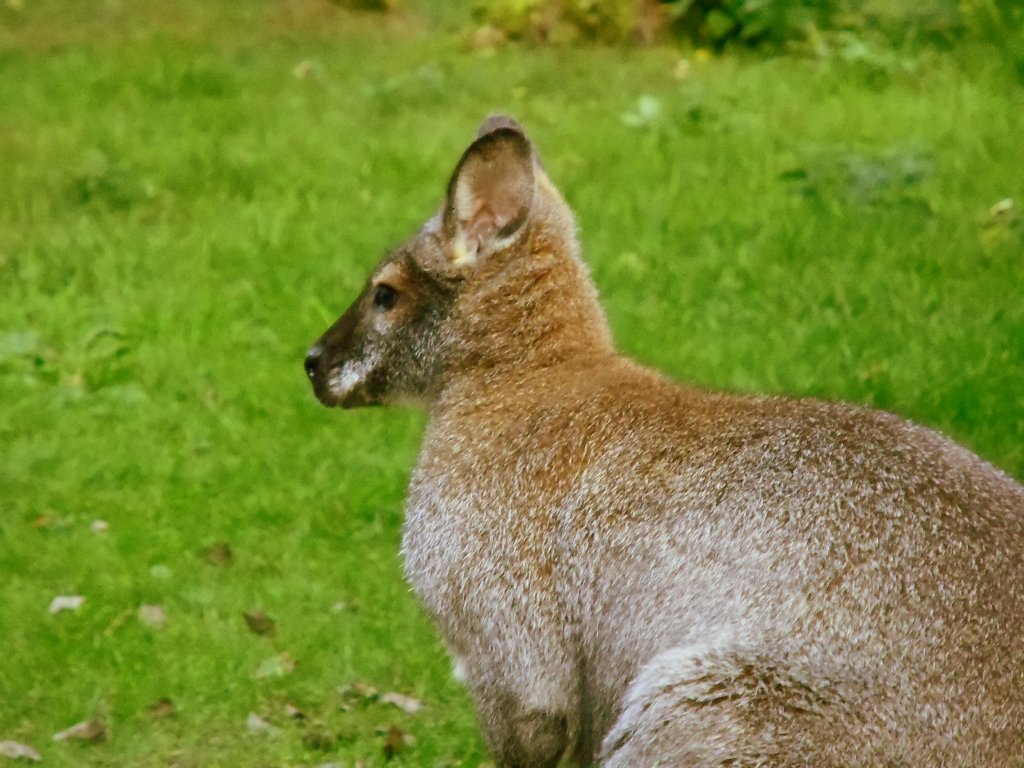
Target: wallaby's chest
[484, 534]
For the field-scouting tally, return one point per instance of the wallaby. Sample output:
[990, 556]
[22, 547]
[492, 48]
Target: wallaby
[629, 572]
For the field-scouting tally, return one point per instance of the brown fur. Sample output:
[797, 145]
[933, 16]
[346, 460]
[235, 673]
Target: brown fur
[636, 573]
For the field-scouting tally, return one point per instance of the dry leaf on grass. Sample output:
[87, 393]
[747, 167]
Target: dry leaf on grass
[219, 553]
[363, 690]
[276, 666]
[257, 724]
[152, 616]
[319, 741]
[1001, 208]
[403, 702]
[87, 730]
[160, 571]
[357, 693]
[395, 741]
[162, 708]
[16, 751]
[258, 622]
[341, 606]
[307, 70]
[66, 603]
[358, 690]
[51, 521]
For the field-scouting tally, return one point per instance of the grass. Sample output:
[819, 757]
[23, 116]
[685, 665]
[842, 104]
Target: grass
[193, 191]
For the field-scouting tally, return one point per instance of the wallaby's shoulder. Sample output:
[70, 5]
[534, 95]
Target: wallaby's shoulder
[611, 408]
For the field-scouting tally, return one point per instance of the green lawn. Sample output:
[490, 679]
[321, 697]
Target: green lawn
[191, 192]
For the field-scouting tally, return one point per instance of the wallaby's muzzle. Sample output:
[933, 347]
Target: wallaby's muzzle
[314, 361]
[316, 370]
[337, 372]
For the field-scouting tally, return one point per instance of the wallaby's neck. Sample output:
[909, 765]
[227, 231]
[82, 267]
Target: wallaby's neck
[527, 313]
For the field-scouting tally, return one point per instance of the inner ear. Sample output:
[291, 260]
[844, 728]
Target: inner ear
[490, 194]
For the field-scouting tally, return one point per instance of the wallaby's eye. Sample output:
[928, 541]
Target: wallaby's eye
[384, 296]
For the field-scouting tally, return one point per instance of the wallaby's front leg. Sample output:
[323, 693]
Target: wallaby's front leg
[522, 678]
[523, 735]
[508, 631]
[524, 693]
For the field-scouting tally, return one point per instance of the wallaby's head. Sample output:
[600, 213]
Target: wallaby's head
[489, 281]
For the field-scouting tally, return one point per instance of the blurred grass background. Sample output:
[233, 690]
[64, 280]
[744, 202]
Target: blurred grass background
[192, 191]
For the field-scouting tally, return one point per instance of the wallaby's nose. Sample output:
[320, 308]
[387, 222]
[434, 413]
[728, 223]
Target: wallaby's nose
[313, 359]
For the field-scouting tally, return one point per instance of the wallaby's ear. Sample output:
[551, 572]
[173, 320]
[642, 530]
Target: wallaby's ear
[494, 122]
[490, 193]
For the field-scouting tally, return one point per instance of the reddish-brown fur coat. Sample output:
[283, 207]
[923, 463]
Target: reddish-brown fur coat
[635, 572]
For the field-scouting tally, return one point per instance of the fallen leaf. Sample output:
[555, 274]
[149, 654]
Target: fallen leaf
[50, 520]
[307, 70]
[645, 112]
[219, 553]
[357, 693]
[162, 708]
[276, 666]
[15, 751]
[152, 616]
[160, 571]
[319, 741]
[257, 724]
[363, 690]
[1001, 208]
[259, 622]
[66, 603]
[395, 742]
[345, 605]
[87, 730]
[403, 702]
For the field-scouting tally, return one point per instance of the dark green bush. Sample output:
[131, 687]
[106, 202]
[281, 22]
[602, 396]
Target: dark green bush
[751, 23]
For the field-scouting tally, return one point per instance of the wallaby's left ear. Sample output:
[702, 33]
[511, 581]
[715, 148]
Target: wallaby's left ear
[490, 193]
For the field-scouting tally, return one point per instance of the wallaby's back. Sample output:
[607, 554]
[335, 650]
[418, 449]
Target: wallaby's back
[637, 573]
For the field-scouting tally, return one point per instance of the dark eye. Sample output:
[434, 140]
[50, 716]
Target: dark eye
[384, 296]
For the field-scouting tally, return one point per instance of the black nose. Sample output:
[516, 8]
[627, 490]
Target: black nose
[313, 360]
